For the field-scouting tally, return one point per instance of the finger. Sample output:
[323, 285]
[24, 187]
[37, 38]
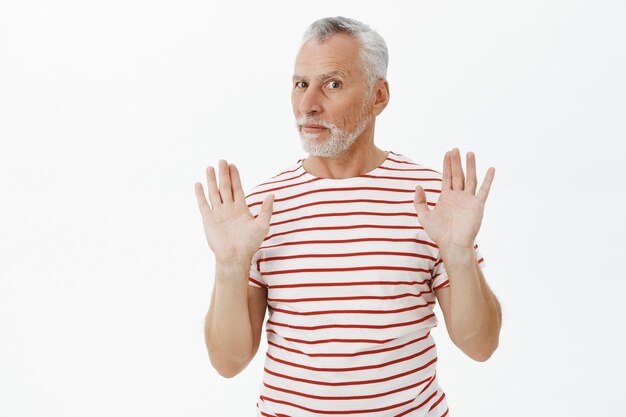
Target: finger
[458, 179]
[420, 203]
[447, 179]
[226, 191]
[470, 164]
[203, 205]
[238, 194]
[266, 210]
[484, 189]
[214, 193]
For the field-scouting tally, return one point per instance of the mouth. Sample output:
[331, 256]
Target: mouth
[313, 128]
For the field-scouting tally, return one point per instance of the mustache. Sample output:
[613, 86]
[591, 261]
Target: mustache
[307, 120]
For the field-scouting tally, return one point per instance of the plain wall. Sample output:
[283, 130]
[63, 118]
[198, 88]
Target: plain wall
[110, 111]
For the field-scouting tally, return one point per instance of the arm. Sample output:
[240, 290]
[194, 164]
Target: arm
[471, 311]
[232, 328]
[233, 323]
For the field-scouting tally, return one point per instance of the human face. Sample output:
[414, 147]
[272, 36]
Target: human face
[329, 97]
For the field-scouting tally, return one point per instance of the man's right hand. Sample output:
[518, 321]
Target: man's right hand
[232, 233]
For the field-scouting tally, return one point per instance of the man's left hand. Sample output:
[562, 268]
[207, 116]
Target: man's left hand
[455, 220]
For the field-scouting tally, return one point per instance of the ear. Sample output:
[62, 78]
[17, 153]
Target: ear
[381, 96]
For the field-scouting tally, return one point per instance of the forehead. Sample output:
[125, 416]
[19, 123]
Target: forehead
[339, 52]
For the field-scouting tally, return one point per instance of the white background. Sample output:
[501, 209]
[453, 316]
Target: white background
[110, 111]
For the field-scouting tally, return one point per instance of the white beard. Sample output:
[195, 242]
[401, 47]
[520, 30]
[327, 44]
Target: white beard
[339, 141]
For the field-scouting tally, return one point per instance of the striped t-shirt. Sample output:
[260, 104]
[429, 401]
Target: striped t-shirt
[350, 274]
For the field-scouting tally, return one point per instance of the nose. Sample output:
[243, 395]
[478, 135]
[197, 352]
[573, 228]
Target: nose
[310, 102]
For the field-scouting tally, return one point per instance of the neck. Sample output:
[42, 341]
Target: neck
[359, 159]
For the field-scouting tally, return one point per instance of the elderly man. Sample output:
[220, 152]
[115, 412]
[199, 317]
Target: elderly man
[354, 259]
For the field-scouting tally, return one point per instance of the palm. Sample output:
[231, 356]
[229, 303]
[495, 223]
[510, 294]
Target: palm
[456, 218]
[231, 231]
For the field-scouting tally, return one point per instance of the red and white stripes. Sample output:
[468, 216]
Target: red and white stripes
[350, 276]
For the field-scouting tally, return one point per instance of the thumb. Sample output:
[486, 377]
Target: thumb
[419, 200]
[266, 209]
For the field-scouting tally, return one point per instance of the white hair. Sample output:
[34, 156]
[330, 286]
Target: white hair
[374, 55]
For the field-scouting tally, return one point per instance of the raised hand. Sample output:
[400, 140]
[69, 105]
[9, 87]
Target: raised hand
[232, 233]
[455, 220]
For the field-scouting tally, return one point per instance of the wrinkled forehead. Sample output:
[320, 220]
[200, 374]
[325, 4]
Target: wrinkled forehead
[338, 54]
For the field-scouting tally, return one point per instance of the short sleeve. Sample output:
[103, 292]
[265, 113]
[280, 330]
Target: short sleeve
[440, 275]
[255, 278]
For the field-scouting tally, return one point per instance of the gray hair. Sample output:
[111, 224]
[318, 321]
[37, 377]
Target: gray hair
[374, 55]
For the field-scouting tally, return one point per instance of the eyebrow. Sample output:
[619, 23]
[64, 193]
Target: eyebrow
[323, 77]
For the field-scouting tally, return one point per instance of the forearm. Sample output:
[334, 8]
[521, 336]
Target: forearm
[474, 310]
[228, 331]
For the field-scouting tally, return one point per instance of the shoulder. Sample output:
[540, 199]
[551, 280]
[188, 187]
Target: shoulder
[273, 185]
[417, 173]
[401, 160]
[411, 167]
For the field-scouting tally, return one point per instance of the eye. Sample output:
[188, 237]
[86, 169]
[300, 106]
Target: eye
[332, 83]
[299, 83]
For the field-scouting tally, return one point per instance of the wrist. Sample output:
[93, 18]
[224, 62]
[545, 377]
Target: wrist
[457, 255]
[233, 260]
[233, 266]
